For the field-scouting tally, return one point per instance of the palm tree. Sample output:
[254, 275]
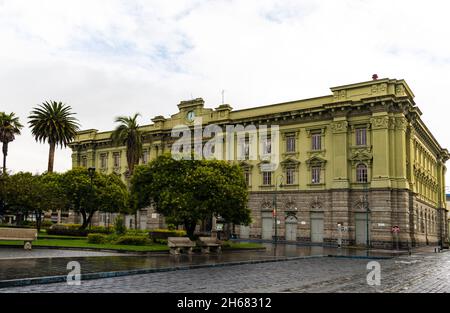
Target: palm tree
[127, 133]
[53, 122]
[9, 128]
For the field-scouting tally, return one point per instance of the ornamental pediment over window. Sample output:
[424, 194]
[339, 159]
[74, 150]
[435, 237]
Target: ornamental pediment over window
[316, 161]
[245, 165]
[361, 155]
[290, 163]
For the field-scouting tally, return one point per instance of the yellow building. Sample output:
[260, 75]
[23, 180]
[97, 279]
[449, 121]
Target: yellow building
[357, 166]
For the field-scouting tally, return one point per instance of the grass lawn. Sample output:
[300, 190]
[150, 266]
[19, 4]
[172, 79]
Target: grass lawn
[244, 245]
[82, 243]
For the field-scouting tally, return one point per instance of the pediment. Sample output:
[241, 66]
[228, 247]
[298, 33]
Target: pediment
[315, 160]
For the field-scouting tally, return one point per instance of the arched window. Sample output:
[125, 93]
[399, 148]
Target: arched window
[361, 173]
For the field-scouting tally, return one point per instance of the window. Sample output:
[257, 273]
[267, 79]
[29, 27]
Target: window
[290, 176]
[316, 140]
[361, 136]
[84, 161]
[116, 157]
[361, 173]
[267, 146]
[247, 178]
[290, 144]
[245, 149]
[315, 174]
[103, 161]
[145, 157]
[267, 178]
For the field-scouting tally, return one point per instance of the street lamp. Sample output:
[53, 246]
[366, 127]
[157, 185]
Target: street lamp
[366, 204]
[91, 173]
[279, 177]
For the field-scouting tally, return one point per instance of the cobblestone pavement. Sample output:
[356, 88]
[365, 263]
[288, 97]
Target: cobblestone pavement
[422, 272]
[15, 253]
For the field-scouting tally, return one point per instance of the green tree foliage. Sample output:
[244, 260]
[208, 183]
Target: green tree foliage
[127, 133]
[188, 191]
[9, 128]
[26, 194]
[53, 122]
[106, 193]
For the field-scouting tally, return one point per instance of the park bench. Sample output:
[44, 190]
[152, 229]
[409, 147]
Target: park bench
[209, 243]
[179, 244]
[26, 235]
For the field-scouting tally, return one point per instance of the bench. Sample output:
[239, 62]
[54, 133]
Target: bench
[209, 243]
[26, 235]
[179, 244]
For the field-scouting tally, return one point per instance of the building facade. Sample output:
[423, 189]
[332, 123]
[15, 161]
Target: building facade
[357, 166]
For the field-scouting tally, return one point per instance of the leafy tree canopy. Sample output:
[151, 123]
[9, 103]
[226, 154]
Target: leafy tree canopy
[187, 191]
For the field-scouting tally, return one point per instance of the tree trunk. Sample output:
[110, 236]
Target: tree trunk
[51, 157]
[38, 220]
[83, 215]
[190, 229]
[5, 153]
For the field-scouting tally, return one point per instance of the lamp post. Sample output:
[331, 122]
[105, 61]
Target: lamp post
[275, 215]
[366, 204]
[91, 173]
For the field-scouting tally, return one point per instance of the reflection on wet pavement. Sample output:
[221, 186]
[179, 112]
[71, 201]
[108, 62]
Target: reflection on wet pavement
[41, 267]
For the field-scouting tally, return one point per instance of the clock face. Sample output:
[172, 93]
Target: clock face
[190, 116]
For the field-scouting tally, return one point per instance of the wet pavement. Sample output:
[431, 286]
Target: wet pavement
[57, 265]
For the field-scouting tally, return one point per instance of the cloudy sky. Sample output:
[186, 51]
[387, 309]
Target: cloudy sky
[113, 57]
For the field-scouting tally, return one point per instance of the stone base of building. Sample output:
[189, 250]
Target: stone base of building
[391, 218]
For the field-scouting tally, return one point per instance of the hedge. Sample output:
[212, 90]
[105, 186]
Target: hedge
[132, 240]
[97, 238]
[158, 234]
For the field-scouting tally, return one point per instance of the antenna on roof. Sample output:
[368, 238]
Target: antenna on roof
[223, 96]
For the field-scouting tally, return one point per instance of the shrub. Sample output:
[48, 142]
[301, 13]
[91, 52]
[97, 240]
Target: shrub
[160, 241]
[97, 238]
[66, 230]
[15, 226]
[119, 226]
[157, 234]
[132, 240]
[137, 232]
[100, 230]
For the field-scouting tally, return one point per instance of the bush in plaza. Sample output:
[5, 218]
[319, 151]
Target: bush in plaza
[132, 240]
[137, 232]
[97, 238]
[100, 230]
[66, 230]
[158, 234]
[119, 226]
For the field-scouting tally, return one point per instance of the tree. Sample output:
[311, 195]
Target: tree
[127, 133]
[9, 128]
[20, 195]
[106, 192]
[53, 122]
[188, 191]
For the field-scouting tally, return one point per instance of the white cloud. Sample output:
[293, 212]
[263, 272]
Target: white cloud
[113, 57]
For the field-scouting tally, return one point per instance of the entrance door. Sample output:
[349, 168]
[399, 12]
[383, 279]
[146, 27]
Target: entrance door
[267, 225]
[244, 232]
[361, 228]
[291, 228]
[317, 227]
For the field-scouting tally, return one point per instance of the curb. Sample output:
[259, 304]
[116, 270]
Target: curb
[89, 276]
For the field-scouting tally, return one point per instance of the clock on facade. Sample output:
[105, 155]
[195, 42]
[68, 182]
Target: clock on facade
[190, 116]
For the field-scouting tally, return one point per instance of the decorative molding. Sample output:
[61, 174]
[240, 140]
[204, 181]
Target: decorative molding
[339, 127]
[379, 122]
